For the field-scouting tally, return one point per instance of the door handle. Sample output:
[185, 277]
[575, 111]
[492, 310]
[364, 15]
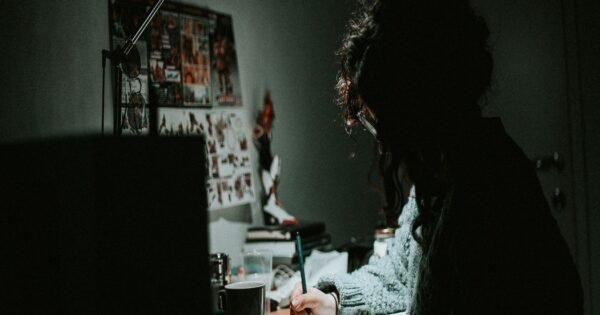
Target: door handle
[558, 199]
[547, 162]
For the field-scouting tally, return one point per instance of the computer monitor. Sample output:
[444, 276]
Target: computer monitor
[105, 225]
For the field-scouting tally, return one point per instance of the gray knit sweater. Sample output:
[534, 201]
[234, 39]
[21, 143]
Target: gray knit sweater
[386, 284]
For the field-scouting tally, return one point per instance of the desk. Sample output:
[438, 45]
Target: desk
[286, 311]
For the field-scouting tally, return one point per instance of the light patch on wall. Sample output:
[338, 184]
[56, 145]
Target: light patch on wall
[225, 236]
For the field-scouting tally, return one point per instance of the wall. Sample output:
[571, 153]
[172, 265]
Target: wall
[588, 16]
[52, 87]
[545, 88]
[51, 67]
[288, 47]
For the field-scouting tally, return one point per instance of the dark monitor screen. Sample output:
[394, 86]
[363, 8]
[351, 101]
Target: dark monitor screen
[105, 225]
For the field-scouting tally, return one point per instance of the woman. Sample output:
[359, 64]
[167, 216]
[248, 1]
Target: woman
[412, 72]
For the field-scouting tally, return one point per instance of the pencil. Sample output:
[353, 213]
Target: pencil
[301, 261]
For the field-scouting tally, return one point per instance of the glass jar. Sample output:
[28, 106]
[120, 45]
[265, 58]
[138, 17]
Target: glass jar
[382, 237]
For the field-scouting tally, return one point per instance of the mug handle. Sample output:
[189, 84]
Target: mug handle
[222, 301]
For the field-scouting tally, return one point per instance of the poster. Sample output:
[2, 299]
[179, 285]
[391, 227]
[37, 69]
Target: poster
[188, 54]
[230, 167]
[133, 119]
[165, 59]
[196, 60]
[224, 66]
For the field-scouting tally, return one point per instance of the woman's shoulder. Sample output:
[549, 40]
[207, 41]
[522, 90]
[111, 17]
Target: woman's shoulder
[491, 171]
[489, 152]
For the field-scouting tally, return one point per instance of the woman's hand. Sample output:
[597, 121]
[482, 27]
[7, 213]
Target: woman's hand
[314, 300]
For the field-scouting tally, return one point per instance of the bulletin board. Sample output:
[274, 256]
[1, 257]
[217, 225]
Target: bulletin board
[189, 76]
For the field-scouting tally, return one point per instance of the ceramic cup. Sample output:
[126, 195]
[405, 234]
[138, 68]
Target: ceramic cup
[245, 297]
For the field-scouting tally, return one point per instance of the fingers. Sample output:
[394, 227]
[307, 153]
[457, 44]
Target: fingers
[297, 304]
[312, 299]
[296, 291]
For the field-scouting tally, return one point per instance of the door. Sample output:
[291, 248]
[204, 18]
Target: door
[532, 91]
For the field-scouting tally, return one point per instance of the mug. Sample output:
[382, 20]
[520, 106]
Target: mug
[245, 297]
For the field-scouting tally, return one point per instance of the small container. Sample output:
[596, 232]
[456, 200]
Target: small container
[382, 235]
[220, 269]
[220, 276]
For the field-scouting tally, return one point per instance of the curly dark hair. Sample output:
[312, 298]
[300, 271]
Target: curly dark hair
[422, 67]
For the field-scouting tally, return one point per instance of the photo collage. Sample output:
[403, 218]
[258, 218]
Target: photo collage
[189, 53]
[230, 180]
[189, 74]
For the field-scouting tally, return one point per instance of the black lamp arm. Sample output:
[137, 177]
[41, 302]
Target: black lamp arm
[116, 56]
[134, 38]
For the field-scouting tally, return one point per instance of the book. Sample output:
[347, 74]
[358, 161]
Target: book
[285, 232]
[288, 248]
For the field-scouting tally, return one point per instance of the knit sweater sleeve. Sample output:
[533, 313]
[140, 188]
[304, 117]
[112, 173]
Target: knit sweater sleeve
[386, 284]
